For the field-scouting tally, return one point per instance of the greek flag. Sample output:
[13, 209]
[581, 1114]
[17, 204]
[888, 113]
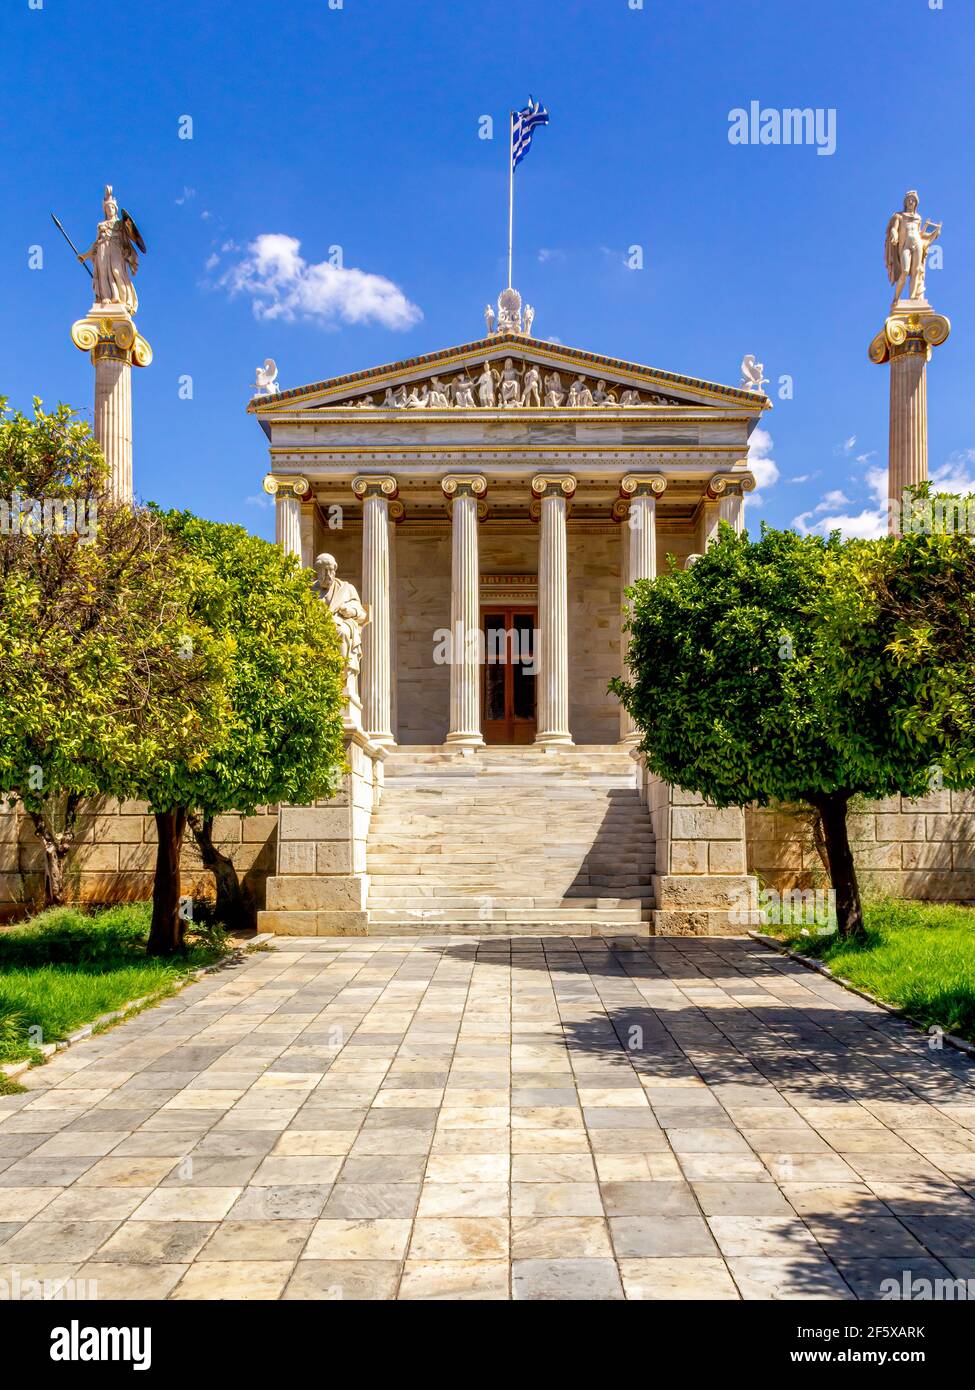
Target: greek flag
[523, 128]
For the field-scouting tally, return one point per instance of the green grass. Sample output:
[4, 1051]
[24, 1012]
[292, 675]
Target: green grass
[66, 967]
[919, 957]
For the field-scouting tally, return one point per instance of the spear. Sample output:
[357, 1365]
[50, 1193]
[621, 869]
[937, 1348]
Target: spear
[72, 245]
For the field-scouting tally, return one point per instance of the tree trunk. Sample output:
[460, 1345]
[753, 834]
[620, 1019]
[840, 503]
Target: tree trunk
[166, 932]
[57, 843]
[842, 870]
[235, 907]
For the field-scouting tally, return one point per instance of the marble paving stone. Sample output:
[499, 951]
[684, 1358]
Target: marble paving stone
[559, 1237]
[375, 1118]
[464, 1199]
[344, 1280]
[588, 1280]
[257, 1240]
[363, 1239]
[685, 1278]
[372, 1199]
[637, 1237]
[155, 1242]
[459, 1238]
[468, 1280]
[147, 1282]
[239, 1279]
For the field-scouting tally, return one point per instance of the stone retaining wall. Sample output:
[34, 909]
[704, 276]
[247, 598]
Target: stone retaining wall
[909, 849]
[115, 852]
[914, 849]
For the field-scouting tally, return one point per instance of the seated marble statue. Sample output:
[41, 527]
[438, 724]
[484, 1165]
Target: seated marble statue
[349, 616]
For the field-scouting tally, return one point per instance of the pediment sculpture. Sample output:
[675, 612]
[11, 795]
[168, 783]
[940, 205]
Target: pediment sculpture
[510, 384]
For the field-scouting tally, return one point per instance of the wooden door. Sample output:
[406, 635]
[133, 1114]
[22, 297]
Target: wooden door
[508, 680]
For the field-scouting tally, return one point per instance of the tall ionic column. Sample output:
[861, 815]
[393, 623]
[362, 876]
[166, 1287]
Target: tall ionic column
[728, 491]
[552, 494]
[906, 341]
[463, 494]
[287, 494]
[377, 494]
[110, 337]
[637, 509]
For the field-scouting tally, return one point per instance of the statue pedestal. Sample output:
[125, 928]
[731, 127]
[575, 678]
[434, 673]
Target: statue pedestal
[110, 337]
[320, 886]
[906, 340]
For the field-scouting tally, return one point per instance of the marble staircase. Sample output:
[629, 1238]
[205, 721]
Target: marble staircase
[510, 841]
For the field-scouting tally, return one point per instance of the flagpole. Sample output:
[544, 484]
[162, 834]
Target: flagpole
[511, 190]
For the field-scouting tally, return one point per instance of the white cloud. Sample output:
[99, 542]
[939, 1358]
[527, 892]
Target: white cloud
[281, 284]
[185, 196]
[801, 478]
[865, 458]
[956, 475]
[847, 446]
[868, 524]
[550, 253]
[760, 459]
[259, 499]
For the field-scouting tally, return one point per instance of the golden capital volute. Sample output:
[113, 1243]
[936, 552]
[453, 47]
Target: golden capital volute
[463, 485]
[375, 485]
[549, 485]
[288, 485]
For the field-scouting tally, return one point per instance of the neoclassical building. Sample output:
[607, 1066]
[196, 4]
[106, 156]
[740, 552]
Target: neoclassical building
[508, 484]
[491, 503]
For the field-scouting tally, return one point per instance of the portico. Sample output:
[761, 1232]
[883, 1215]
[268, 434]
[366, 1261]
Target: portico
[490, 505]
[492, 545]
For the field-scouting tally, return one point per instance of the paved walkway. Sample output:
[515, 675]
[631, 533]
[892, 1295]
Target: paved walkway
[485, 1119]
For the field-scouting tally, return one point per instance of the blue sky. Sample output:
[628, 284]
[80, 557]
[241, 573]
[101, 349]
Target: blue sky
[358, 127]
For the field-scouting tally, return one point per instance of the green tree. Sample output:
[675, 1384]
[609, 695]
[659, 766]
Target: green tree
[103, 671]
[281, 733]
[803, 669]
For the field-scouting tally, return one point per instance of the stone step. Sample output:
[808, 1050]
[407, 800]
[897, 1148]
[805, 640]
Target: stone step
[537, 931]
[474, 901]
[510, 840]
[522, 917]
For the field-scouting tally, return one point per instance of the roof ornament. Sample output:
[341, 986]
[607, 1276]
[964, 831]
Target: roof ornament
[752, 373]
[509, 318]
[266, 378]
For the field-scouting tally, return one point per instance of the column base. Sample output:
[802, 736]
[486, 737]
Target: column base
[553, 740]
[464, 741]
[380, 740]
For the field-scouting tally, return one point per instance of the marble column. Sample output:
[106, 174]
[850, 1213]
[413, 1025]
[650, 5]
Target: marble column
[906, 342]
[377, 495]
[637, 509]
[114, 345]
[725, 500]
[463, 494]
[287, 494]
[552, 493]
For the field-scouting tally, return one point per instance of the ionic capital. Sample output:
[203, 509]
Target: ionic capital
[375, 486]
[463, 485]
[289, 485]
[111, 338]
[909, 335]
[729, 485]
[553, 485]
[642, 485]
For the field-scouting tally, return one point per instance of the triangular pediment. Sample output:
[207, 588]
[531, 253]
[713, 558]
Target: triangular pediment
[511, 370]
